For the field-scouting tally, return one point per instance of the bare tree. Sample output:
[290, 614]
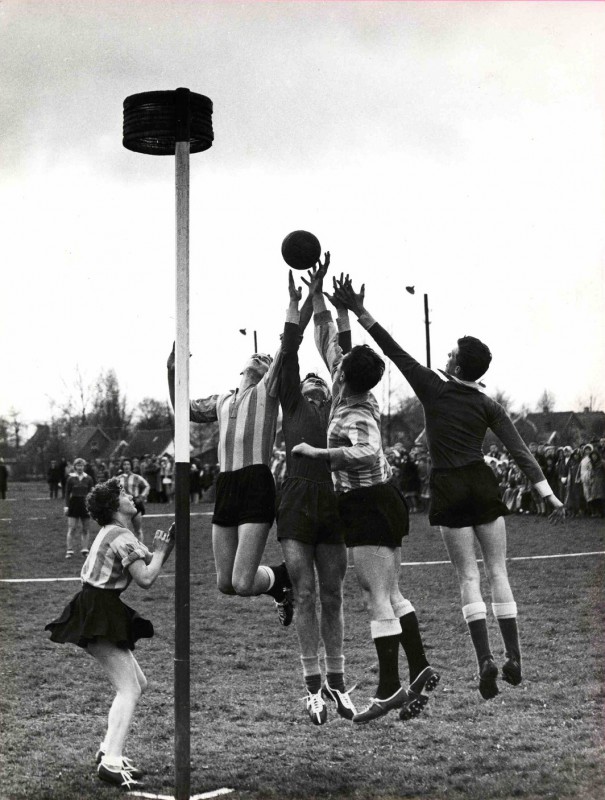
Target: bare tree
[591, 402]
[15, 428]
[152, 415]
[109, 407]
[546, 402]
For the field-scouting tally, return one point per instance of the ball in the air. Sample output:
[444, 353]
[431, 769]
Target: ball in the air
[301, 250]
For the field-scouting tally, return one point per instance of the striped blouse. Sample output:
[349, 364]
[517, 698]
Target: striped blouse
[354, 440]
[112, 552]
[134, 484]
[247, 421]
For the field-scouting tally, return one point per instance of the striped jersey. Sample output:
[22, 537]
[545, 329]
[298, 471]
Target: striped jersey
[134, 484]
[354, 440]
[247, 421]
[112, 552]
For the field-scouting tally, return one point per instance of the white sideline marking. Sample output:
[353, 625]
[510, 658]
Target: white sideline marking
[215, 793]
[351, 566]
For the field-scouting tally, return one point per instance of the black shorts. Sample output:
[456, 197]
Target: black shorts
[308, 512]
[76, 507]
[465, 496]
[374, 515]
[245, 495]
[139, 505]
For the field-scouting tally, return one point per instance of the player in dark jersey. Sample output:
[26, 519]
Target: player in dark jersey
[308, 525]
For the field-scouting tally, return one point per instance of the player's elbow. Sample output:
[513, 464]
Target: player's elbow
[145, 580]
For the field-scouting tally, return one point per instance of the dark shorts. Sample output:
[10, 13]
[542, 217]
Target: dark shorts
[99, 613]
[308, 512]
[375, 515]
[139, 505]
[77, 508]
[245, 495]
[465, 496]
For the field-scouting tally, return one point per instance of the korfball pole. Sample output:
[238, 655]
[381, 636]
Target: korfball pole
[177, 123]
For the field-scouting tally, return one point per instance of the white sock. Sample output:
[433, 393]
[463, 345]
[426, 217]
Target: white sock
[112, 762]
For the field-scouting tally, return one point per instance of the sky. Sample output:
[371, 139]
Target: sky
[458, 147]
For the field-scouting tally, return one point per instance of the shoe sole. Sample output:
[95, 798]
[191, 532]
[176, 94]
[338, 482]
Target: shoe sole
[426, 682]
[414, 708]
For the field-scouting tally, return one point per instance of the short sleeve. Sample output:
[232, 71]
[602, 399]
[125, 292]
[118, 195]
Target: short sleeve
[129, 549]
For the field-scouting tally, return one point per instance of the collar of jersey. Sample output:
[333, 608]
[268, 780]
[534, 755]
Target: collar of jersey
[480, 387]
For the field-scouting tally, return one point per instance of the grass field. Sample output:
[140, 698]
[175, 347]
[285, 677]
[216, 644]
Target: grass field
[249, 730]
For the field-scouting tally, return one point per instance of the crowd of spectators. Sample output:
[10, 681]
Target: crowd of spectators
[576, 476]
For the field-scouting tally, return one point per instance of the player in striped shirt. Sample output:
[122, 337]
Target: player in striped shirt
[374, 514]
[97, 620]
[245, 490]
[138, 487]
[465, 499]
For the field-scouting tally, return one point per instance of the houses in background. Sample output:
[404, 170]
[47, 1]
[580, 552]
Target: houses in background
[93, 443]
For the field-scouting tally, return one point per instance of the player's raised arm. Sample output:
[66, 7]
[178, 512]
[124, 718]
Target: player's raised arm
[289, 379]
[422, 380]
[306, 312]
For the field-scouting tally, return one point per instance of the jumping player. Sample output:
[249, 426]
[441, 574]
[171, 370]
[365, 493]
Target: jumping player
[373, 512]
[465, 500]
[245, 490]
[97, 620]
[78, 485]
[308, 526]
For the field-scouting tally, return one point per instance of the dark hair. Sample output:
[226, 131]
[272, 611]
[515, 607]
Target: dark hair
[363, 368]
[103, 501]
[317, 377]
[474, 358]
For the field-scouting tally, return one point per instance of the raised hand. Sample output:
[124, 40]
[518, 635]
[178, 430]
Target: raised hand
[317, 275]
[332, 297]
[295, 293]
[345, 294]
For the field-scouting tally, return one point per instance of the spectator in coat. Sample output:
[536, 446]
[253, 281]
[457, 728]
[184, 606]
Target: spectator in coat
[53, 477]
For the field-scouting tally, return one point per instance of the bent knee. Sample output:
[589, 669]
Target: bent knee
[225, 586]
[243, 587]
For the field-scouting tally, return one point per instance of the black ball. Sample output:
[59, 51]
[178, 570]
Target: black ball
[301, 250]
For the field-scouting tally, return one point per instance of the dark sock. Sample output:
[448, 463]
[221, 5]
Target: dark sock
[411, 641]
[282, 581]
[387, 648]
[336, 680]
[313, 683]
[480, 638]
[510, 637]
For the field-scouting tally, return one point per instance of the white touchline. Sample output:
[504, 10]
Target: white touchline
[351, 566]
